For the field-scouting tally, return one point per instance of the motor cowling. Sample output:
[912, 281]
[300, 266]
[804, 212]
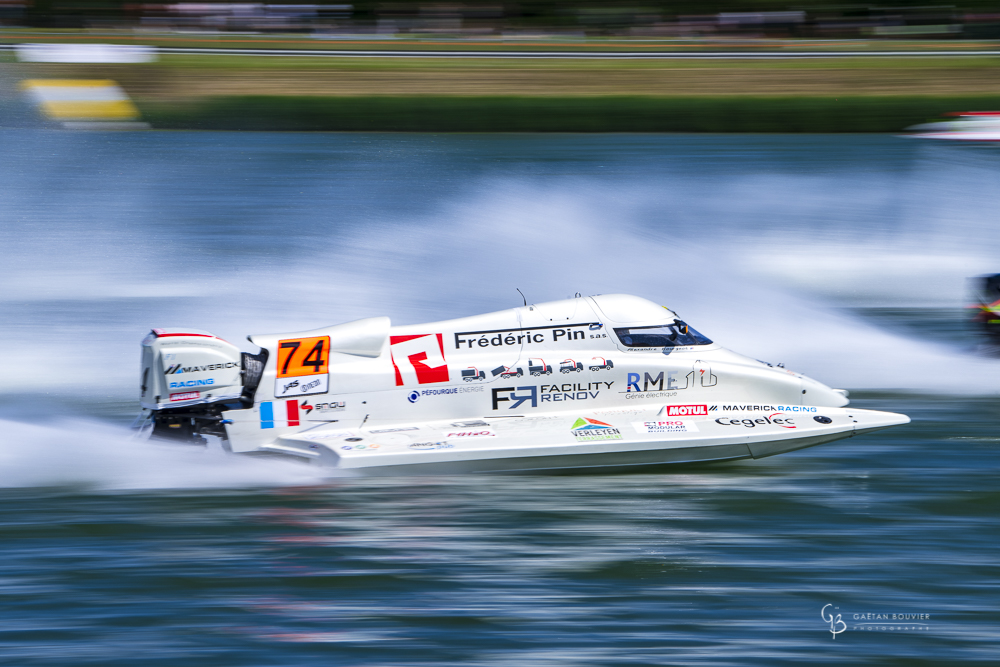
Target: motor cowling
[188, 367]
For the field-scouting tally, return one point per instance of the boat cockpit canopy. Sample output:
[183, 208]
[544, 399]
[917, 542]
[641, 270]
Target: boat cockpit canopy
[677, 334]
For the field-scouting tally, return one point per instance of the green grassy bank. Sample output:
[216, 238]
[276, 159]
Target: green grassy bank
[560, 114]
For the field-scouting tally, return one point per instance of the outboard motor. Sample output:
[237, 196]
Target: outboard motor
[189, 377]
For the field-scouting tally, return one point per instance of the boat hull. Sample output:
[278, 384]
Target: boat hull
[540, 443]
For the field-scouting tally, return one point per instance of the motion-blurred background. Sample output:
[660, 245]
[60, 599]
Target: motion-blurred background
[580, 18]
[717, 66]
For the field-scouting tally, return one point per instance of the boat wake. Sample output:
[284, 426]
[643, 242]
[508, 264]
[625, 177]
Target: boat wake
[91, 455]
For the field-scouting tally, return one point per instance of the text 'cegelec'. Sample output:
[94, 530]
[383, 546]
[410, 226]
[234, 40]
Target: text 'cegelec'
[784, 422]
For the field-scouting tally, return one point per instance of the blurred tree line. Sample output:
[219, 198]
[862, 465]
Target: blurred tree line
[590, 16]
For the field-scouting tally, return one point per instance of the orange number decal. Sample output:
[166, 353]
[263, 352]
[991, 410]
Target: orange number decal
[303, 356]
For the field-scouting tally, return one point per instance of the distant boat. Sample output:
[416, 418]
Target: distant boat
[984, 305]
[966, 126]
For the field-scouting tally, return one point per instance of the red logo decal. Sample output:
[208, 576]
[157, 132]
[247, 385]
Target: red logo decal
[686, 410]
[418, 359]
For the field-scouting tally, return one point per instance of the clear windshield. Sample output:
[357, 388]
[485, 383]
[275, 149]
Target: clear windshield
[678, 334]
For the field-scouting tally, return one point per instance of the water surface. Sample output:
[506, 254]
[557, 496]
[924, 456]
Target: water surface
[843, 257]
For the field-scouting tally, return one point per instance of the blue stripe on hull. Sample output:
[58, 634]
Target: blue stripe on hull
[267, 414]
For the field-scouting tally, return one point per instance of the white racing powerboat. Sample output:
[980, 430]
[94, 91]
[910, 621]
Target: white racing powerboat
[964, 126]
[605, 381]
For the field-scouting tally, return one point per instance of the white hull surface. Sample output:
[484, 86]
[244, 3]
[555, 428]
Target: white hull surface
[548, 442]
[610, 381]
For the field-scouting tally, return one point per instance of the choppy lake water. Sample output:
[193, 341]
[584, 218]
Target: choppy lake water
[842, 257]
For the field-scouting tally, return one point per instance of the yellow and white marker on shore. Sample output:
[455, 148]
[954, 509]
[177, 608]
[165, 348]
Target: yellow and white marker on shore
[84, 103]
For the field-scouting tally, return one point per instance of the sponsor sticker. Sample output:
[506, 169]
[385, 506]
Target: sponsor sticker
[572, 391]
[179, 384]
[686, 410]
[304, 385]
[664, 427]
[431, 445]
[439, 392]
[415, 395]
[551, 393]
[473, 433]
[186, 396]
[585, 429]
[174, 369]
[653, 385]
[332, 406]
[764, 408]
[476, 340]
[512, 395]
[775, 419]
[418, 359]
[662, 383]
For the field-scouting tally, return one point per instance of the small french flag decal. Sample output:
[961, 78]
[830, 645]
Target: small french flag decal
[267, 414]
